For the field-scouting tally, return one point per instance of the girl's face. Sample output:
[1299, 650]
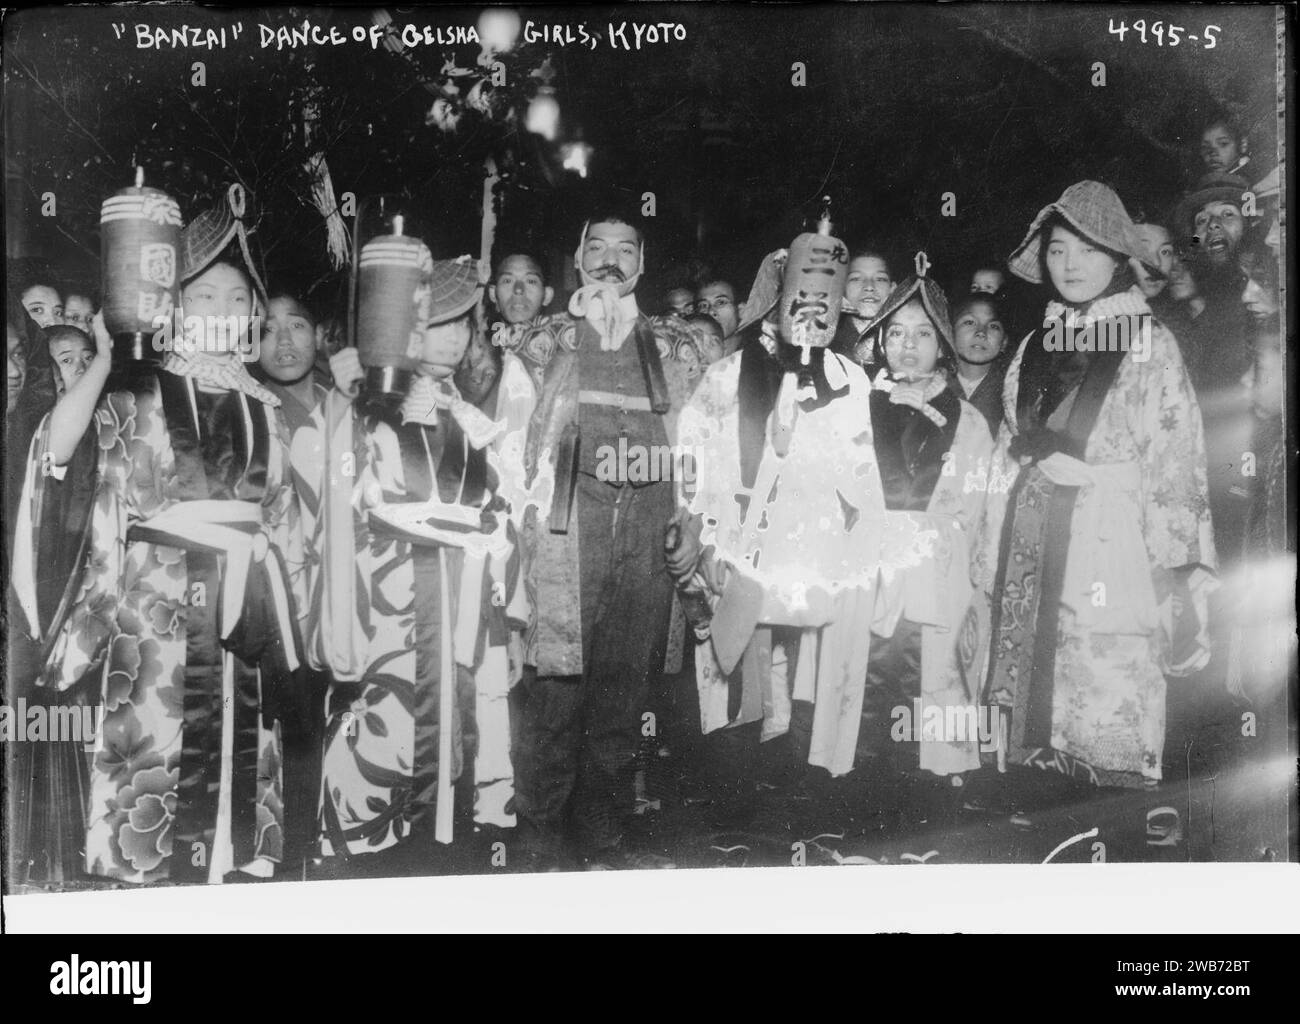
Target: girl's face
[289, 344]
[72, 355]
[43, 305]
[215, 296]
[1080, 270]
[1220, 149]
[911, 343]
[979, 335]
[444, 347]
[17, 365]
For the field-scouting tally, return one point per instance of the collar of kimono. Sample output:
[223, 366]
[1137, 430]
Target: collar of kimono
[229, 373]
[931, 388]
[1125, 303]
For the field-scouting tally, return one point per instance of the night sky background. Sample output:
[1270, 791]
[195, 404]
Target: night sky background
[902, 103]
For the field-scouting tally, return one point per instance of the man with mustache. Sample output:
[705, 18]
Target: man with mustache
[595, 564]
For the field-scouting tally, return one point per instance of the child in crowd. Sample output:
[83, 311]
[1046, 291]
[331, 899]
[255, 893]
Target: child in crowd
[79, 309]
[933, 450]
[980, 337]
[43, 301]
[287, 365]
[71, 351]
[1224, 147]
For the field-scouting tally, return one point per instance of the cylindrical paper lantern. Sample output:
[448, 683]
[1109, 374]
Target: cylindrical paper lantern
[392, 272]
[140, 232]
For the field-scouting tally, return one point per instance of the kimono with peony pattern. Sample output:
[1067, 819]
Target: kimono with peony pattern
[183, 612]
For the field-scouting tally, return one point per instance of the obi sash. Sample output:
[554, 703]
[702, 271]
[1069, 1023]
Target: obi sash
[1056, 532]
[243, 623]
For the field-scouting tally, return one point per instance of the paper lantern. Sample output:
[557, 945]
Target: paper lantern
[393, 280]
[140, 233]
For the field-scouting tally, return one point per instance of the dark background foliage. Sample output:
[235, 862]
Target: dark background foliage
[903, 103]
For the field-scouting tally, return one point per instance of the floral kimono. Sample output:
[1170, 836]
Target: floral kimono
[510, 403]
[182, 614]
[1087, 554]
[934, 478]
[414, 544]
[801, 531]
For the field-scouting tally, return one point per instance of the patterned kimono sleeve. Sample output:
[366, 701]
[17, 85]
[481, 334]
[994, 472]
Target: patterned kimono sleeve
[1171, 450]
[1002, 473]
[127, 438]
[1176, 528]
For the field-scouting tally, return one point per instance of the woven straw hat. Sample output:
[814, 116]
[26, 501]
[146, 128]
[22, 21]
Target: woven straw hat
[456, 286]
[932, 298]
[209, 234]
[1094, 210]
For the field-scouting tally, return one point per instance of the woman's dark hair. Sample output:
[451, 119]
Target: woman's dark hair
[40, 387]
[1121, 281]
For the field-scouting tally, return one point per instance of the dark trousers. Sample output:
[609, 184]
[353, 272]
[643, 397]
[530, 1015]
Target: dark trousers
[302, 731]
[579, 735]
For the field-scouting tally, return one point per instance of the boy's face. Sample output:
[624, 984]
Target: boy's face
[1160, 250]
[443, 347]
[867, 287]
[72, 355]
[43, 305]
[519, 291]
[978, 334]
[989, 281]
[78, 311]
[911, 343]
[1220, 151]
[289, 342]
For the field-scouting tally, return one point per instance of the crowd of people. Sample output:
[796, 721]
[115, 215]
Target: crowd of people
[327, 626]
